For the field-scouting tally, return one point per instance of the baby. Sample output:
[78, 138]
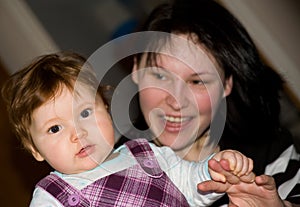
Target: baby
[61, 115]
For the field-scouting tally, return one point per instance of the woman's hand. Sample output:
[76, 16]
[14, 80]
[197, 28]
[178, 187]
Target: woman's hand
[261, 192]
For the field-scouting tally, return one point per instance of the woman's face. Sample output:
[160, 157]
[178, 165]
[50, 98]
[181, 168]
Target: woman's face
[179, 95]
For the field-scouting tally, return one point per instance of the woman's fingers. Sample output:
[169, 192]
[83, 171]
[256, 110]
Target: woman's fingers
[214, 186]
[249, 178]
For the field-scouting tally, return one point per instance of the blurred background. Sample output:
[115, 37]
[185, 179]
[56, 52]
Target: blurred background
[30, 28]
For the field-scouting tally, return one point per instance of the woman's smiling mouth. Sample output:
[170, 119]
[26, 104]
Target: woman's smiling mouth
[175, 123]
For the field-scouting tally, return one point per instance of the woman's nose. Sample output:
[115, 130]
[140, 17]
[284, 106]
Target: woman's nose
[177, 98]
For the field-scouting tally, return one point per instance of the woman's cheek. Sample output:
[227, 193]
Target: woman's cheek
[149, 99]
[209, 100]
[204, 104]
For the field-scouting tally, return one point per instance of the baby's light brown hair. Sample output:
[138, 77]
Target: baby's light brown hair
[41, 81]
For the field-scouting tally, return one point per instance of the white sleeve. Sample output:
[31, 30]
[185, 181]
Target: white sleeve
[42, 198]
[186, 175]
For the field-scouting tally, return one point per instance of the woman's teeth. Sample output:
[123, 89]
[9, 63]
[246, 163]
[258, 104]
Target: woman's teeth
[175, 119]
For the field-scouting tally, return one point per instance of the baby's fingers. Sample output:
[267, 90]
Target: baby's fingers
[216, 171]
[246, 166]
[234, 158]
[239, 164]
[219, 171]
[250, 166]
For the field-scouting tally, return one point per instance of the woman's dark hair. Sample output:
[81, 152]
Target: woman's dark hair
[253, 104]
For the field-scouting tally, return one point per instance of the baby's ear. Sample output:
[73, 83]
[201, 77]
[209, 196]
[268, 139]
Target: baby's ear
[35, 153]
[37, 156]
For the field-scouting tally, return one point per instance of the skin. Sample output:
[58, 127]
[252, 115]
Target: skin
[65, 134]
[68, 140]
[194, 94]
[178, 100]
[261, 192]
[238, 167]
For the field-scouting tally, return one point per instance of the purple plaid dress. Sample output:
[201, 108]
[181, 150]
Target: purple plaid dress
[144, 184]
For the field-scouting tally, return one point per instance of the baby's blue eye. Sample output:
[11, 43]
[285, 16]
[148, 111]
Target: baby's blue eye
[85, 113]
[54, 129]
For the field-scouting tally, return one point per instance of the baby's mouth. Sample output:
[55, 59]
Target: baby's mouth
[85, 151]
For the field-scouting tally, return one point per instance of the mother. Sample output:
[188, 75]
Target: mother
[178, 102]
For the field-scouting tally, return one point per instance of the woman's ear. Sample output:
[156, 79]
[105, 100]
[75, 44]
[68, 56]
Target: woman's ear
[134, 74]
[228, 86]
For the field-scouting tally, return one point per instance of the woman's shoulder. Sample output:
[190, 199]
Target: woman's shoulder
[264, 150]
[279, 144]
[285, 170]
[288, 160]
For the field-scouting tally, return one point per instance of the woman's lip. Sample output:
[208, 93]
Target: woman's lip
[178, 124]
[86, 151]
[177, 119]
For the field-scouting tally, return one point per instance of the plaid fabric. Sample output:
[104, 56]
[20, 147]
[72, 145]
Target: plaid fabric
[144, 184]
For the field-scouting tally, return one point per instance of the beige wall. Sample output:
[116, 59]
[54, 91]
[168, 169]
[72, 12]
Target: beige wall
[22, 35]
[275, 27]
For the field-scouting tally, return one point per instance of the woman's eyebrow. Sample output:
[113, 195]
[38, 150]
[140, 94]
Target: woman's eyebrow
[201, 73]
[204, 72]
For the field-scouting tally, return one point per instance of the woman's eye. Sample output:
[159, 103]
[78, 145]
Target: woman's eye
[197, 82]
[85, 113]
[54, 129]
[159, 76]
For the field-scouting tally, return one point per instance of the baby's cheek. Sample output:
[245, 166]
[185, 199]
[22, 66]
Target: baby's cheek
[106, 131]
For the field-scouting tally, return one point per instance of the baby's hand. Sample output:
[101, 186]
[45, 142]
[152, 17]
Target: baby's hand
[236, 167]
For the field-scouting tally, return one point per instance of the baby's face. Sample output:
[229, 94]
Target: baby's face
[73, 132]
